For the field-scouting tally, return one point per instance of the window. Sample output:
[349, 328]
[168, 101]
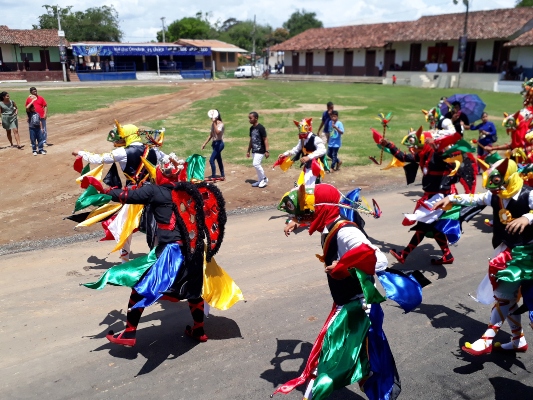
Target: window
[231, 57]
[223, 57]
[28, 55]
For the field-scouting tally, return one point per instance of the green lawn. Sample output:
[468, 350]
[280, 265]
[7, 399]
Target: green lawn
[278, 105]
[68, 101]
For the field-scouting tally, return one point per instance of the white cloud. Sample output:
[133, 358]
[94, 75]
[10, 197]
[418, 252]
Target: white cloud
[140, 20]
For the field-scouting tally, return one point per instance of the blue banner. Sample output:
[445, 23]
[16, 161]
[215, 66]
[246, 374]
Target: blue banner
[142, 50]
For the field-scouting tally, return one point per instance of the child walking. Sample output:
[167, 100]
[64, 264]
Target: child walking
[335, 140]
[36, 133]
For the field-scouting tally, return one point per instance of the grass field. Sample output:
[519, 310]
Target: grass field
[68, 101]
[279, 103]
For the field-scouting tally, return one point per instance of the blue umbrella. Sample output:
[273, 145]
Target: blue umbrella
[471, 105]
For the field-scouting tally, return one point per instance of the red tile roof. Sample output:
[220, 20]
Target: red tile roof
[491, 24]
[30, 37]
[525, 39]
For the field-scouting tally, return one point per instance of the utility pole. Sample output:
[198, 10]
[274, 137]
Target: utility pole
[463, 40]
[253, 49]
[163, 22]
[62, 50]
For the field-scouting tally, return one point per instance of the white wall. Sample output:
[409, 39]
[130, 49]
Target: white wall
[484, 50]
[302, 58]
[319, 58]
[338, 58]
[288, 58]
[403, 51]
[8, 54]
[380, 56]
[523, 56]
[359, 57]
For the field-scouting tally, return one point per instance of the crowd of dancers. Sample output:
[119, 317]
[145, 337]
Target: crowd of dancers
[183, 218]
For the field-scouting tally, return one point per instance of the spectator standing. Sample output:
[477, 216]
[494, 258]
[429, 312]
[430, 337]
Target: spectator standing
[394, 79]
[380, 68]
[259, 147]
[459, 119]
[42, 109]
[325, 123]
[1, 65]
[10, 118]
[487, 133]
[26, 63]
[36, 133]
[335, 140]
[217, 135]
[112, 65]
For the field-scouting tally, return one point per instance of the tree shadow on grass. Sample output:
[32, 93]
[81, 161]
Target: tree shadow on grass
[442, 317]
[293, 354]
[158, 343]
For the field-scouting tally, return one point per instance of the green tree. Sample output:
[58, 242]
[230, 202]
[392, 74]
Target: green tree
[197, 27]
[524, 3]
[241, 35]
[93, 24]
[279, 35]
[300, 21]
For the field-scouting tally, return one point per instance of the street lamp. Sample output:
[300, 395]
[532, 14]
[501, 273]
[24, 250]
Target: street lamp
[62, 49]
[163, 23]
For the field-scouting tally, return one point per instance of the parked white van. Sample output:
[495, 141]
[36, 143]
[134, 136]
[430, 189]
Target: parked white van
[245, 71]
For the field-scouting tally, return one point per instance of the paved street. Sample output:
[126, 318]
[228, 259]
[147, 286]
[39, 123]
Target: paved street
[53, 331]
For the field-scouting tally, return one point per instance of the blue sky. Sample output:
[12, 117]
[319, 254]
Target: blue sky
[140, 19]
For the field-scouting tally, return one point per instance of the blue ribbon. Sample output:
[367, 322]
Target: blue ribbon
[160, 276]
[451, 228]
[403, 289]
[384, 384]
[354, 197]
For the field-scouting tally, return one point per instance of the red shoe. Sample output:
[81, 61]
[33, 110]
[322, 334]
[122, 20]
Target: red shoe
[473, 352]
[397, 256]
[201, 338]
[498, 347]
[119, 340]
[442, 260]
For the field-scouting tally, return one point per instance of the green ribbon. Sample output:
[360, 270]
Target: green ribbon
[195, 167]
[461, 145]
[385, 149]
[85, 169]
[91, 197]
[492, 158]
[127, 274]
[372, 295]
[342, 359]
[453, 213]
[520, 267]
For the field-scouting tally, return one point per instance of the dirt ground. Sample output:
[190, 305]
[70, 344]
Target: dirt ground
[38, 192]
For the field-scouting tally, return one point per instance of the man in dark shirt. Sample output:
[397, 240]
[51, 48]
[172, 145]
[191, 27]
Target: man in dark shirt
[459, 119]
[326, 118]
[259, 147]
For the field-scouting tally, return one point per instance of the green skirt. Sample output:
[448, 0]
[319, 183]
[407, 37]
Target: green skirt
[10, 122]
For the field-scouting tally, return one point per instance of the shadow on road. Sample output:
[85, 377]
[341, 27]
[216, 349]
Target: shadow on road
[293, 352]
[507, 389]
[158, 343]
[442, 317]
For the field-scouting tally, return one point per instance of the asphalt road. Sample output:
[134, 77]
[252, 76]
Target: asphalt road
[53, 342]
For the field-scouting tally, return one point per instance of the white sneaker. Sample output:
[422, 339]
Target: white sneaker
[256, 184]
[34, 153]
[263, 183]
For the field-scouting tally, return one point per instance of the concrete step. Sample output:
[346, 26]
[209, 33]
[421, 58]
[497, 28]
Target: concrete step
[328, 78]
[73, 77]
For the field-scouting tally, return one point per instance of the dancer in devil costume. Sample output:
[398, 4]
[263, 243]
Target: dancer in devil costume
[351, 346]
[186, 214]
[311, 152]
[428, 151]
[511, 266]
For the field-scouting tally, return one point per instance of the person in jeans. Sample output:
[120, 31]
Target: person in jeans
[42, 109]
[487, 134]
[36, 133]
[259, 147]
[335, 141]
[217, 134]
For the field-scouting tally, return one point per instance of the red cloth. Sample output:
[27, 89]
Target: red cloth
[325, 214]
[376, 135]
[78, 164]
[362, 257]
[91, 180]
[161, 179]
[39, 105]
[518, 137]
[499, 263]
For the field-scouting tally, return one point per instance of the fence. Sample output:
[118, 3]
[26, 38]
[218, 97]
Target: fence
[119, 72]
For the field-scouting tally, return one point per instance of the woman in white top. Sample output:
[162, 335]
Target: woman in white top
[217, 135]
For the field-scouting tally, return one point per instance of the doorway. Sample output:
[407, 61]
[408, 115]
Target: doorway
[295, 63]
[329, 63]
[470, 61]
[309, 63]
[370, 63]
[348, 63]
[414, 56]
[45, 60]
[390, 61]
